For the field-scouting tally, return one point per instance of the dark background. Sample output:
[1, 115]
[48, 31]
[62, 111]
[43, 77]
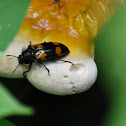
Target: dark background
[85, 109]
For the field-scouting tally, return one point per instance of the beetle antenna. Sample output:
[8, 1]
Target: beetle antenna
[17, 65]
[16, 68]
[12, 56]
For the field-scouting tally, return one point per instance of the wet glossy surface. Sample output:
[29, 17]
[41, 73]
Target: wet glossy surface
[66, 21]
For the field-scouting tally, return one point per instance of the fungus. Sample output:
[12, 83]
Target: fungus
[70, 22]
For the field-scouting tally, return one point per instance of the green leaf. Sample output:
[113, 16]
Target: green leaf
[12, 13]
[5, 123]
[111, 62]
[10, 105]
[1, 52]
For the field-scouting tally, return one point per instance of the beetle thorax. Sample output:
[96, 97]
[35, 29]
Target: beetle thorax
[26, 57]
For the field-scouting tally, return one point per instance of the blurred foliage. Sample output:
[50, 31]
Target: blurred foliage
[111, 61]
[10, 106]
[1, 52]
[5, 123]
[12, 13]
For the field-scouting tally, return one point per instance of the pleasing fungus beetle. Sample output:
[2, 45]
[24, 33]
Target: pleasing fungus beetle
[41, 52]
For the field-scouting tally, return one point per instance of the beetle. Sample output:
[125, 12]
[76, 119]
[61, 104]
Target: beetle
[41, 52]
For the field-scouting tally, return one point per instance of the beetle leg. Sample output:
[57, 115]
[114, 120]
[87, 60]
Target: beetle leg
[45, 67]
[66, 61]
[24, 73]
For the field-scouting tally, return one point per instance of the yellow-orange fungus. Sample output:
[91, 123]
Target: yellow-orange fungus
[75, 23]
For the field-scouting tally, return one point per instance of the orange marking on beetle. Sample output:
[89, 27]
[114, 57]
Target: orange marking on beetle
[55, 43]
[58, 51]
[41, 55]
[37, 45]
